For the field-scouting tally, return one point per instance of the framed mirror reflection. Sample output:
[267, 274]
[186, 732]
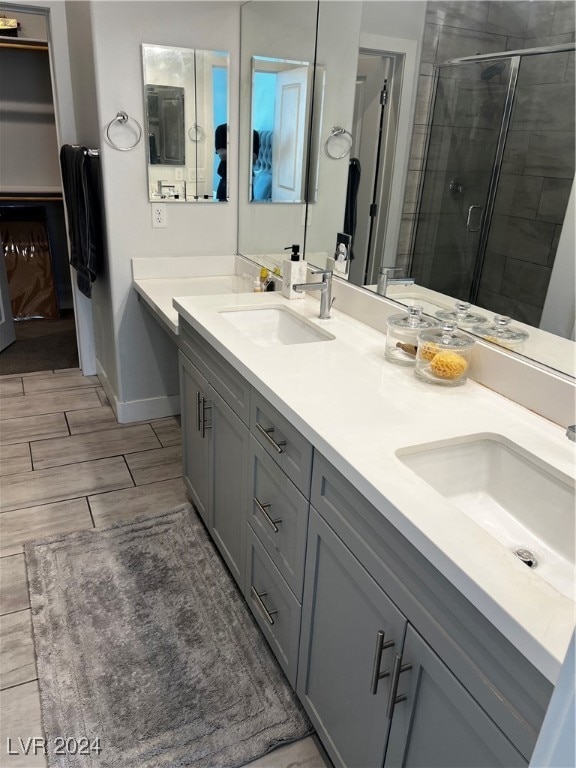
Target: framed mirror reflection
[187, 105]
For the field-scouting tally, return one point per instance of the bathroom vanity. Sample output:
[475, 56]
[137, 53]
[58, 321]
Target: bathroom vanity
[409, 631]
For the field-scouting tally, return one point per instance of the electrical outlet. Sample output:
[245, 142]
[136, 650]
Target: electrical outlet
[178, 174]
[159, 219]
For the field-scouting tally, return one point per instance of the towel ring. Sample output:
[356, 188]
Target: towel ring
[334, 134]
[198, 133]
[122, 118]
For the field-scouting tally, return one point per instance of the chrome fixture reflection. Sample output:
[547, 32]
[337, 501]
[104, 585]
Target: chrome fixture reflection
[385, 279]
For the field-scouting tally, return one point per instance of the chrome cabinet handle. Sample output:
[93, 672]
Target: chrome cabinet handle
[203, 409]
[468, 227]
[263, 509]
[258, 597]
[198, 406]
[278, 447]
[393, 698]
[376, 674]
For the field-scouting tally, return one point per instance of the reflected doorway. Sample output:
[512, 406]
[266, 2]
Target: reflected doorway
[374, 129]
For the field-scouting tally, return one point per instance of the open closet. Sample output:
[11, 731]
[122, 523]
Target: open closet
[37, 327]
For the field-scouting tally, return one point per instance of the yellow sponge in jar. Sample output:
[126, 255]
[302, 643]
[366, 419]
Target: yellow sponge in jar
[448, 365]
[428, 350]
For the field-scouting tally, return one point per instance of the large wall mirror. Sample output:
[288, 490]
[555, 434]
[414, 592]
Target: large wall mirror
[278, 101]
[186, 100]
[459, 175]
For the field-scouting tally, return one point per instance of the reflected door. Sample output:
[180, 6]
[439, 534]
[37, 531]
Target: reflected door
[463, 141]
[289, 143]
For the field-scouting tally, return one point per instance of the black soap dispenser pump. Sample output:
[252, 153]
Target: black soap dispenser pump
[293, 271]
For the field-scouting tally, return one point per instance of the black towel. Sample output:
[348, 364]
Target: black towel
[83, 198]
[350, 213]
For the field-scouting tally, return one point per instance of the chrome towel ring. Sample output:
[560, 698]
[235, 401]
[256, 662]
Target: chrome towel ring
[122, 118]
[196, 133]
[336, 133]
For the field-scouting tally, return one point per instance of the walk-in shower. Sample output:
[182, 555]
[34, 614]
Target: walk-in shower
[497, 176]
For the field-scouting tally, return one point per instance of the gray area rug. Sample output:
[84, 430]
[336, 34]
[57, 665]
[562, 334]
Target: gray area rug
[144, 642]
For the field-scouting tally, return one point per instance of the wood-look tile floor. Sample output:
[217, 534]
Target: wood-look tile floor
[66, 465]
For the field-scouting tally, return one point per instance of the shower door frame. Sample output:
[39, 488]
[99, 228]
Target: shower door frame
[515, 58]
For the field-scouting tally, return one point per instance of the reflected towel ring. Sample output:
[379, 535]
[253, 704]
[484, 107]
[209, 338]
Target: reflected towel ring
[122, 118]
[198, 133]
[336, 132]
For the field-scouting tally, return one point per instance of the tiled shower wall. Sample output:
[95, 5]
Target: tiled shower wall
[537, 174]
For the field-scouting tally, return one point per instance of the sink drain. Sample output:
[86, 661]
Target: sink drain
[527, 557]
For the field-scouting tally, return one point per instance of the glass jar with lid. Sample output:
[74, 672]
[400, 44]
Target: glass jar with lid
[461, 315]
[502, 332]
[443, 356]
[402, 335]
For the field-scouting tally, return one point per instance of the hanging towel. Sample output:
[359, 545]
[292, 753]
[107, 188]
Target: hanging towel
[350, 216]
[83, 197]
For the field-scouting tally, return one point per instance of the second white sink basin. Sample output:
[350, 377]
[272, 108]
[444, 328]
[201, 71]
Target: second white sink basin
[520, 500]
[269, 326]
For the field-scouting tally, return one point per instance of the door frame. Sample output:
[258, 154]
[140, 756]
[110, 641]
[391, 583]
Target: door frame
[406, 50]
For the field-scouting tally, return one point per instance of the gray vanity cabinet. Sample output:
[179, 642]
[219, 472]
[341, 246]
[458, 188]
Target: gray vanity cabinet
[350, 634]
[215, 412]
[196, 445]
[436, 722]
[229, 458]
[374, 689]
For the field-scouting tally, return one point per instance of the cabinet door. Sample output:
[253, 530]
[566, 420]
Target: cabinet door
[438, 724]
[230, 449]
[195, 441]
[343, 613]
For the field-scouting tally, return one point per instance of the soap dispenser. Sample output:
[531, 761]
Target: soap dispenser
[293, 271]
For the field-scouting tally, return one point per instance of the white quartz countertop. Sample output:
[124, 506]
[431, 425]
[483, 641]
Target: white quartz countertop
[158, 292]
[358, 410]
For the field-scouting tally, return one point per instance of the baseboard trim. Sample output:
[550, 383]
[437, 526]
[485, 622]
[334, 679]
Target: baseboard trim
[146, 410]
[138, 410]
[107, 387]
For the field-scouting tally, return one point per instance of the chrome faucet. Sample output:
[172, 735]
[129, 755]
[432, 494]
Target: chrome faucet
[385, 279]
[325, 288]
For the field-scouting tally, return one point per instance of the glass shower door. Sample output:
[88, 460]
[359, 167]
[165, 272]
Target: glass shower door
[464, 136]
[534, 185]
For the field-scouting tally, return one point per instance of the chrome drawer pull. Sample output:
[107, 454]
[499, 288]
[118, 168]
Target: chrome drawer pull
[203, 409]
[393, 699]
[376, 674]
[258, 598]
[263, 510]
[198, 406]
[278, 447]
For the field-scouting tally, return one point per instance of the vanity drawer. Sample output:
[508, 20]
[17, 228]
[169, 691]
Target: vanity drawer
[275, 608]
[224, 378]
[278, 514]
[281, 441]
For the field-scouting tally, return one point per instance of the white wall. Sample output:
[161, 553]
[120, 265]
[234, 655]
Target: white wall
[343, 27]
[283, 30]
[132, 350]
[338, 42]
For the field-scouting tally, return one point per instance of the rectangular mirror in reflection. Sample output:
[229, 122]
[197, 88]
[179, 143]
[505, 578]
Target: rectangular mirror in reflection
[186, 99]
[281, 107]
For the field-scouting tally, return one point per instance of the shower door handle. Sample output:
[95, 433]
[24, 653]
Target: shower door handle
[469, 227]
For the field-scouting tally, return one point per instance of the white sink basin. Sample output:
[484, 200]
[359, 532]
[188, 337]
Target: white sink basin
[520, 500]
[269, 326]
